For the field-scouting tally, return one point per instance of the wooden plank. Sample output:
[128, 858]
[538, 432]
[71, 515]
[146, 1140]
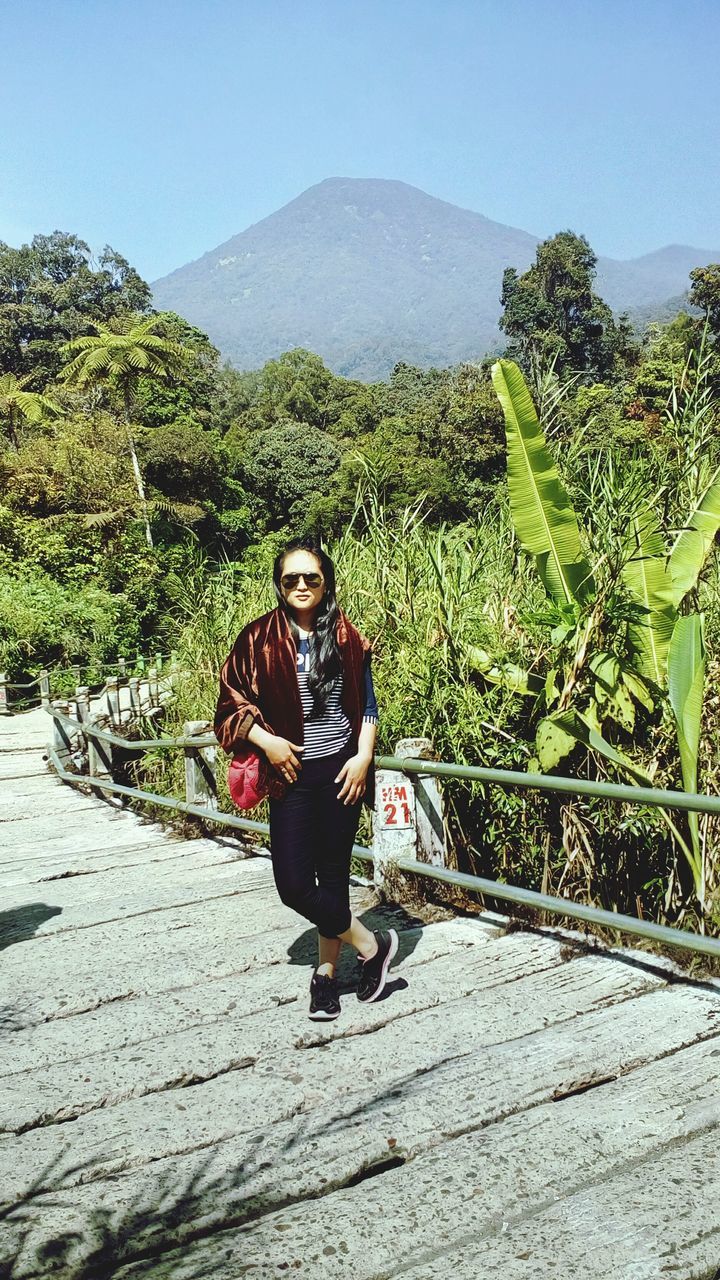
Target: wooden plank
[480, 1185]
[316, 1126]
[124, 1024]
[17, 765]
[26, 872]
[88, 901]
[98, 834]
[474, 1018]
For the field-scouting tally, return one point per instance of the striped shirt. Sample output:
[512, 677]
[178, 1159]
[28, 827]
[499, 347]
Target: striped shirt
[329, 733]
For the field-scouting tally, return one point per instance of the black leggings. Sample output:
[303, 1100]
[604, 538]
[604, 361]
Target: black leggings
[311, 839]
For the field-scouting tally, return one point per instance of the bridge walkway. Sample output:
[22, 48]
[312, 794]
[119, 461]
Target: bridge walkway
[515, 1106]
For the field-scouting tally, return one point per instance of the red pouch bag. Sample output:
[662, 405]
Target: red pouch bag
[247, 778]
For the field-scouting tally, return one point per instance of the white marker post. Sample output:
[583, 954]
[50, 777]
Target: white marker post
[408, 819]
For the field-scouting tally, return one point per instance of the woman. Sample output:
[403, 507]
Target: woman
[297, 685]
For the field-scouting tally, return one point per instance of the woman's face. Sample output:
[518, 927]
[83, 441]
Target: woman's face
[297, 592]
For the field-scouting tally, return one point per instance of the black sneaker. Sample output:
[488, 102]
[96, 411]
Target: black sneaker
[324, 1002]
[373, 972]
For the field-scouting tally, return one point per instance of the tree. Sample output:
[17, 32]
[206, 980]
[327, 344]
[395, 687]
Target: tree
[551, 313]
[18, 404]
[118, 358]
[50, 292]
[288, 466]
[705, 293]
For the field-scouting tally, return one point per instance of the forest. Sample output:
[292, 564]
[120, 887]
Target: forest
[529, 540]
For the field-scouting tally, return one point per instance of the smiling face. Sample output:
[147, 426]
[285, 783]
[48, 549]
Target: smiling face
[300, 595]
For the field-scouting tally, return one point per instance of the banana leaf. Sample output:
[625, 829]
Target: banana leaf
[686, 677]
[573, 725]
[543, 516]
[648, 579]
[695, 540]
[506, 674]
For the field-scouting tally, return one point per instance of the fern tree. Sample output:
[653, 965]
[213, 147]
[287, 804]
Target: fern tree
[117, 357]
[18, 405]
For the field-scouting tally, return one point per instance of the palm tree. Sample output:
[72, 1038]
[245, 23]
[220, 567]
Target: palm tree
[118, 357]
[18, 404]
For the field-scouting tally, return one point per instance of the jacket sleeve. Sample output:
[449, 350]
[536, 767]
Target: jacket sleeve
[237, 707]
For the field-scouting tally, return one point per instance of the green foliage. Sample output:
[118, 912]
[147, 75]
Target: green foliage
[286, 466]
[18, 404]
[551, 313]
[544, 519]
[582, 650]
[686, 677]
[705, 294]
[49, 292]
[45, 623]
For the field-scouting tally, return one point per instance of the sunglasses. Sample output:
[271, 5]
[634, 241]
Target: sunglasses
[291, 580]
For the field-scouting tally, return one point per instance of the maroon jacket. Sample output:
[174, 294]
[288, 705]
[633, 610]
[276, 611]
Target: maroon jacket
[259, 684]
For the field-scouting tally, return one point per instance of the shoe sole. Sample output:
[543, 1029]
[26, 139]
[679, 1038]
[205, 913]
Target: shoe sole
[322, 1016]
[386, 965]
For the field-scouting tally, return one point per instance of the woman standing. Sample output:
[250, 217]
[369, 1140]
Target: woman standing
[297, 685]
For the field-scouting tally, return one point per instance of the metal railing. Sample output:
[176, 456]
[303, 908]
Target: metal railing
[43, 681]
[67, 728]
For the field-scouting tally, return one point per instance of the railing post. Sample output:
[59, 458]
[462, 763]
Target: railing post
[431, 841]
[200, 782]
[121, 668]
[158, 663]
[99, 753]
[134, 687]
[4, 708]
[408, 820]
[82, 703]
[112, 693]
[61, 740]
[44, 688]
[394, 830]
[152, 687]
[77, 672]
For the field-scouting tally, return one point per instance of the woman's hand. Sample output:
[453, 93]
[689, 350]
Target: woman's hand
[280, 753]
[353, 775]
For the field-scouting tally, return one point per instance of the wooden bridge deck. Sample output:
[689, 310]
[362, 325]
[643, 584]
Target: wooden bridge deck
[513, 1108]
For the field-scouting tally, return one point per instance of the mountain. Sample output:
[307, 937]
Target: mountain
[367, 272]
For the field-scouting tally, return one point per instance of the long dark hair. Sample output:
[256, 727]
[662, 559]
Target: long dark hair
[325, 662]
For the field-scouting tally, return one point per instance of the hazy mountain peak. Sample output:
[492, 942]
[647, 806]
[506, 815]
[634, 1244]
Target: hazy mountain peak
[369, 271]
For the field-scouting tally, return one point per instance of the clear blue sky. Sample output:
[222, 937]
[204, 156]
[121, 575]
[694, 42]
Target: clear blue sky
[163, 127]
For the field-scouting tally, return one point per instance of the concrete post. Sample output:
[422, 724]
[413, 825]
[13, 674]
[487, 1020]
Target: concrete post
[431, 842]
[112, 693]
[4, 708]
[121, 668]
[394, 830]
[82, 703]
[62, 737]
[99, 753]
[134, 687]
[45, 688]
[408, 820]
[200, 782]
[152, 687]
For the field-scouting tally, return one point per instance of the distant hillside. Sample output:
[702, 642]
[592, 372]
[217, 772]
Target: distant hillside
[367, 272]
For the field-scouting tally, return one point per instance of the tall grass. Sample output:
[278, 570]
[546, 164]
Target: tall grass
[424, 596]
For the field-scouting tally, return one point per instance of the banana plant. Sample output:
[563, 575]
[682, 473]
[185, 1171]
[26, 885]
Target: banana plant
[666, 648]
[686, 677]
[542, 513]
[547, 527]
